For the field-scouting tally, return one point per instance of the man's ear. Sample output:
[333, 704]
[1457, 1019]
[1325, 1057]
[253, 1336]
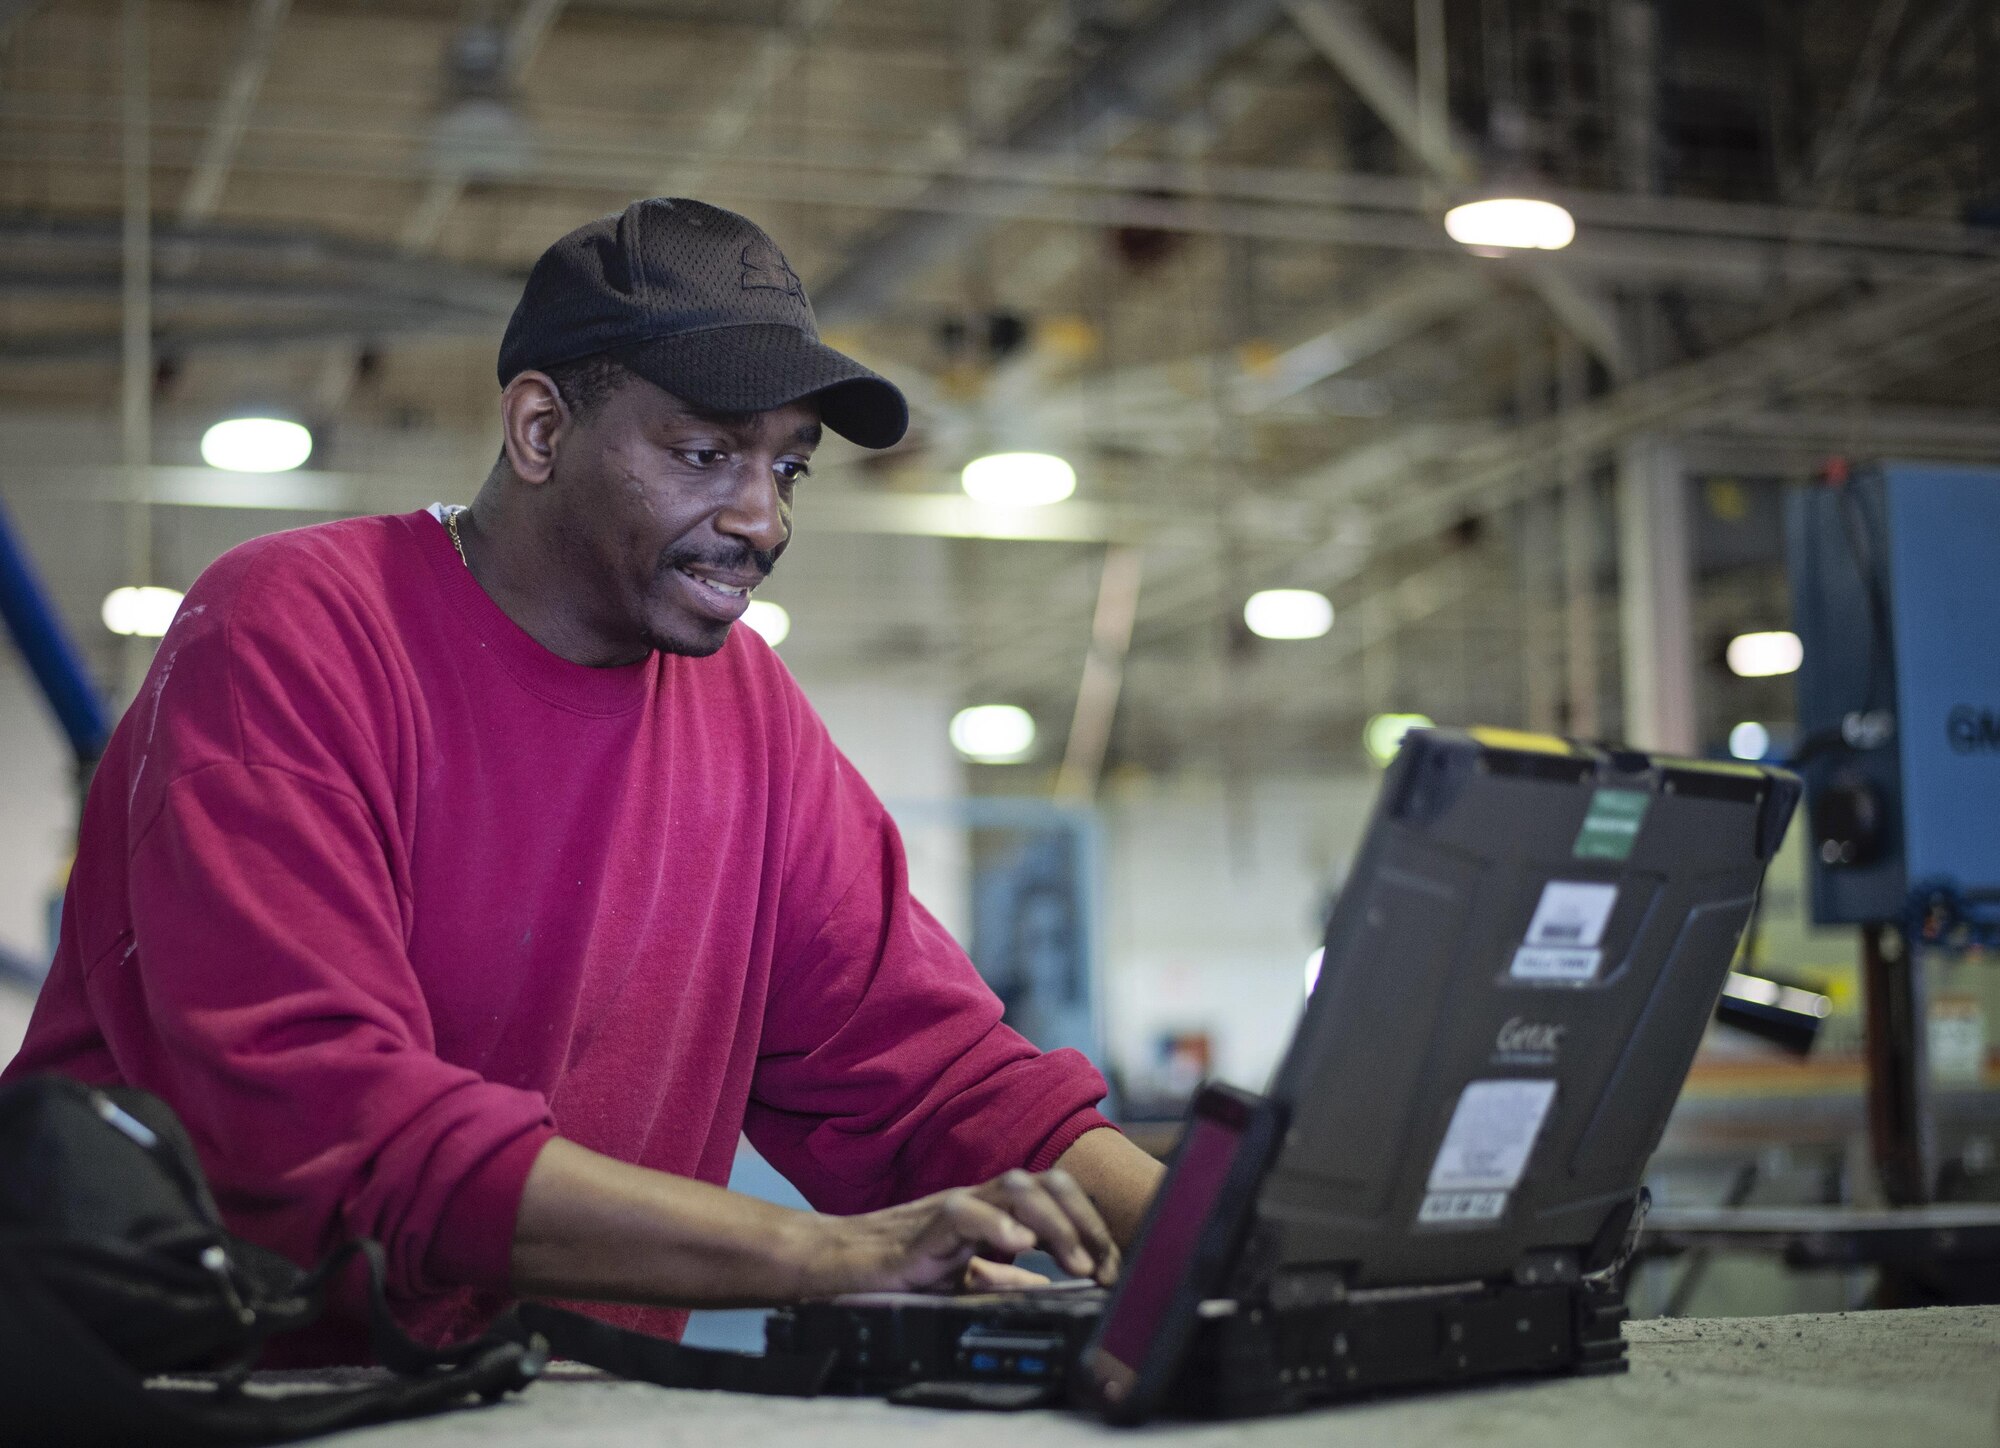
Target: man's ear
[533, 418]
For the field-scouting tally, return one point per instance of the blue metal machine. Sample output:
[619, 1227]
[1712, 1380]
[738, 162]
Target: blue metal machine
[1896, 598]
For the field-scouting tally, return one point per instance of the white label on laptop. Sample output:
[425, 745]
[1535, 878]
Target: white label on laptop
[1572, 913]
[1563, 936]
[1441, 1208]
[1554, 962]
[1491, 1133]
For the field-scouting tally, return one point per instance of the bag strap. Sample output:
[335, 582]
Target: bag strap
[394, 1348]
[62, 1385]
[669, 1364]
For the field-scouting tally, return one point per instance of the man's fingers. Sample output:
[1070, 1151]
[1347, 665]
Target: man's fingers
[1089, 1224]
[987, 1228]
[984, 1276]
[1031, 1202]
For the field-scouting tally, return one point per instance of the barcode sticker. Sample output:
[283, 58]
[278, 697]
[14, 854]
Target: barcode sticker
[1441, 1207]
[1546, 962]
[1492, 1130]
[1572, 913]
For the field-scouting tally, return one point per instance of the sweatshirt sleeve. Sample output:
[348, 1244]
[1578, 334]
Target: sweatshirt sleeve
[265, 985]
[885, 1072]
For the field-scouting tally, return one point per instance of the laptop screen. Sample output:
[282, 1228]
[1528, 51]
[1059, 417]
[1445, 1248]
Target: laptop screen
[1148, 1282]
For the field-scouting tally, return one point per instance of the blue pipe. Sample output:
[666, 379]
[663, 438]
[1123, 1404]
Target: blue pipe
[50, 652]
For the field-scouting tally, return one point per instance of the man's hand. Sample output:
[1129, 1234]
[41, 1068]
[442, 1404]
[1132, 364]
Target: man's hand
[965, 1238]
[593, 1228]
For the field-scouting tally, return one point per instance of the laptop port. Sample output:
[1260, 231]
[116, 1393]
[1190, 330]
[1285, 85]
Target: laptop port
[998, 1352]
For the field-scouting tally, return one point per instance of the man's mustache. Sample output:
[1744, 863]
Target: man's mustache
[728, 560]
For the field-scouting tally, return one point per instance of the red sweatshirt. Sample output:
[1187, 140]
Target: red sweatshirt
[380, 894]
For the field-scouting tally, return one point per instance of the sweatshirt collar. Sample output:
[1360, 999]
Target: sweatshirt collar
[487, 628]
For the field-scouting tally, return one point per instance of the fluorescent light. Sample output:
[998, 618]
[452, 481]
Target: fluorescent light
[768, 619]
[1763, 655]
[1312, 968]
[140, 612]
[1383, 735]
[1749, 740]
[256, 445]
[1288, 613]
[1762, 992]
[993, 733]
[1018, 479]
[1514, 222]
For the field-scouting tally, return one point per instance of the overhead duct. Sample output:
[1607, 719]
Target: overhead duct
[275, 288]
[1095, 111]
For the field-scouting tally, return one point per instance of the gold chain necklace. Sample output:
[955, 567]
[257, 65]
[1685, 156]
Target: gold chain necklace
[451, 527]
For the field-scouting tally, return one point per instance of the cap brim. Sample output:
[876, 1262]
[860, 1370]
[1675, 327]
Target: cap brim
[759, 366]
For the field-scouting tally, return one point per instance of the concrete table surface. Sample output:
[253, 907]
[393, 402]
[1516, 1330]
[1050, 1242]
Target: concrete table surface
[1928, 1378]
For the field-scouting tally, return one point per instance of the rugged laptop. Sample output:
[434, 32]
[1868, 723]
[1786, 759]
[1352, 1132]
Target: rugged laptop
[1446, 1167]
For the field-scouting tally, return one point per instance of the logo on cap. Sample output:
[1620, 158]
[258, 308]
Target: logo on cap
[765, 266]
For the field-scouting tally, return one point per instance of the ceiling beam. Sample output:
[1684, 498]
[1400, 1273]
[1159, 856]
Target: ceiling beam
[1868, 338]
[776, 52]
[1142, 74]
[1411, 301]
[1621, 237]
[38, 246]
[1372, 502]
[1883, 69]
[203, 193]
[1347, 40]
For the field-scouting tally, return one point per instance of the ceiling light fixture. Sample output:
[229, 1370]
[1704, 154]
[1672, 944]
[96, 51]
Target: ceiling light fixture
[993, 733]
[768, 619]
[1288, 613]
[1515, 223]
[1749, 740]
[1764, 655]
[1383, 735]
[144, 613]
[256, 445]
[1018, 479]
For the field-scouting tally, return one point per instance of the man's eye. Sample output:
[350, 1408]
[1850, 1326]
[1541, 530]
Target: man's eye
[792, 471]
[704, 457]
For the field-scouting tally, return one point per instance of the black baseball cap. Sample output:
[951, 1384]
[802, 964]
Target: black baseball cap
[700, 302]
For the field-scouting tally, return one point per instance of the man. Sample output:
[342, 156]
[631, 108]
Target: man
[467, 881]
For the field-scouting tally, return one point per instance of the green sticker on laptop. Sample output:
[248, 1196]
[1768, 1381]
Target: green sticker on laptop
[1612, 826]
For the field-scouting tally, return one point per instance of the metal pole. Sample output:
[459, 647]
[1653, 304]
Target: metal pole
[1579, 527]
[1656, 596]
[1541, 653]
[1103, 673]
[1900, 1125]
[136, 400]
[1433, 80]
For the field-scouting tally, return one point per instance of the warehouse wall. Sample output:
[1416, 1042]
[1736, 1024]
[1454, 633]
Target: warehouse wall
[894, 734]
[1214, 899]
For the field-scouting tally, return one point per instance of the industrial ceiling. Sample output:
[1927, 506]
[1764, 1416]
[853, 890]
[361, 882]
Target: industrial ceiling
[1192, 245]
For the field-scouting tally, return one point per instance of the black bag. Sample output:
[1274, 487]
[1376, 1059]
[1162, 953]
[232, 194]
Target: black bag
[115, 1267]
